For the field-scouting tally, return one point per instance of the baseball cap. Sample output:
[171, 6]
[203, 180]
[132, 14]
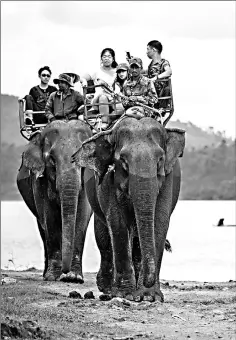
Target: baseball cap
[136, 61]
[122, 66]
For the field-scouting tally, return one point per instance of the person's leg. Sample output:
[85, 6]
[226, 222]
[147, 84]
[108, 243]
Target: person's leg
[29, 102]
[164, 103]
[120, 108]
[104, 110]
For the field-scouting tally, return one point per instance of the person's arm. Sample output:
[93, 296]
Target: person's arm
[167, 71]
[85, 78]
[32, 93]
[49, 108]
[125, 101]
[151, 96]
[79, 99]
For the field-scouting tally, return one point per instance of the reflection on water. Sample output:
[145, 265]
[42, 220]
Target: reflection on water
[200, 251]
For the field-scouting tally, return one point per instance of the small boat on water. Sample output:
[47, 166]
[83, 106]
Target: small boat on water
[221, 224]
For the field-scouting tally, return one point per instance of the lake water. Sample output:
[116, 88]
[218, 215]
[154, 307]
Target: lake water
[201, 251]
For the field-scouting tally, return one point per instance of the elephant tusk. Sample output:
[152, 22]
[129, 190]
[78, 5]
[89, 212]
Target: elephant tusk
[38, 174]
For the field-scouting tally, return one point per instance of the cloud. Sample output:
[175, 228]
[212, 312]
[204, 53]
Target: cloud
[62, 35]
[89, 14]
[191, 19]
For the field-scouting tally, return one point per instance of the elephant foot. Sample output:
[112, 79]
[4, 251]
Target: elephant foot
[123, 294]
[149, 294]
[71, 277]
[53, 271]
[104, 280]
[124, 285]
[50, 277]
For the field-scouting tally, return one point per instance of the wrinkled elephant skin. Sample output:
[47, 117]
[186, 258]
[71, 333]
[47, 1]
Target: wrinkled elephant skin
[132, 179]
[52, 188]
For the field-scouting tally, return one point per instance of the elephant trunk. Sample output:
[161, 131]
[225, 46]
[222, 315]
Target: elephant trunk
[70, 184]
[144, 192]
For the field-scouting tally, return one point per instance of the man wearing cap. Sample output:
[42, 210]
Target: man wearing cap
[63, 104]
[138, 89]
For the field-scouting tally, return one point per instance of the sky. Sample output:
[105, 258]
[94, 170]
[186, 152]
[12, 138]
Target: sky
[198, 40]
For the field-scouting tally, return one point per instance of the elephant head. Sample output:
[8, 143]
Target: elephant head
[48, 156]
[143, 154]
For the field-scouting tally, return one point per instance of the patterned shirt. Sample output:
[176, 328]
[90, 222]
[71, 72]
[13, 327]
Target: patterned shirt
[143, 89]
[156, 69]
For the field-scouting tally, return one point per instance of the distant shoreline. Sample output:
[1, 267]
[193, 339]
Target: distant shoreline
[34, 270]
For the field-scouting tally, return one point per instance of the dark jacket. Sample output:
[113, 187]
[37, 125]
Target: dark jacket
[59, 106]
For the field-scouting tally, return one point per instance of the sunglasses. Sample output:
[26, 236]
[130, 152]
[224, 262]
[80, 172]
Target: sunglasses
[46, 75]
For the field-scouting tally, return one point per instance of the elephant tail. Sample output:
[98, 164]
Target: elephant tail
[168, 246]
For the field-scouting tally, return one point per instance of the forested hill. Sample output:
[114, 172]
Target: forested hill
[208, 165]
[195, 136]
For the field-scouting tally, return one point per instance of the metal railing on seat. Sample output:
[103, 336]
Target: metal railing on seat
[30, 121]
[170, 108]
[94, 114]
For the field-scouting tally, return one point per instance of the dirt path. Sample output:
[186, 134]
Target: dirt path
[34, 309]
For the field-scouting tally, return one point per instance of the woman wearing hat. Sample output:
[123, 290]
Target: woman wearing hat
[121, 75]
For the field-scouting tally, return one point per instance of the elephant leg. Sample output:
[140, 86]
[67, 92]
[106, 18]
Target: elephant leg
[105, 273]
[43, 237]
[84, 213]
[136, 257]
[53, 243]
[162, 218]
[123, 277]
[25, 187]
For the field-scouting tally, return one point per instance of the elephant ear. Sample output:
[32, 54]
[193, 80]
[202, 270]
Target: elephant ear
[33, 156]
[95, 154]
[175, 144]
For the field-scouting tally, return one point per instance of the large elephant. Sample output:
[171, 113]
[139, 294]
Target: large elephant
[53, 189]
[132, 179]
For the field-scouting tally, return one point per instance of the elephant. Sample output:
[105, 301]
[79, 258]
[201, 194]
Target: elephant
[132, 179]
[53, 189]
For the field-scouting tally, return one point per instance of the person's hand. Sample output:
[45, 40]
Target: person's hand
[133, 98]
[102, 82]
[83, 82]
[140, 99]
[153, 79]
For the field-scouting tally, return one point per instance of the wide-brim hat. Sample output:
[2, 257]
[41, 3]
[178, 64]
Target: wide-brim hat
[73, 75]
[136, 61]
[122, 66]
[63, 77]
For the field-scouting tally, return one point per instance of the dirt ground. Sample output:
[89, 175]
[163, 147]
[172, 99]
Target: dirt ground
[35, 309]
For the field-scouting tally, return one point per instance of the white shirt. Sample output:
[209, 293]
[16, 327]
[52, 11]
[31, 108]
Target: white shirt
[106, 75]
